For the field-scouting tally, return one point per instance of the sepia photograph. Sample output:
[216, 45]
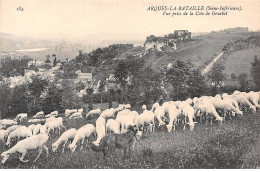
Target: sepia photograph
[129, 84]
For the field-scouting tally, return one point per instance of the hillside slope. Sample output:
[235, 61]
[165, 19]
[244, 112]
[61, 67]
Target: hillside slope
[210, 46]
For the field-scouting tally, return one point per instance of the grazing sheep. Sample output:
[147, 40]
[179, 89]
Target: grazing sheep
[108, 113]
[54, 113]
[144, 107]
[253, 98]
[56, 123]
[125, 121]
[93, 112]
[39, 114]
[21, 117]
[188, 111]
[80, 110]
[84, 132]
[6, 122]
[124, 141]
[100, 129]
[207, 108]
[31, 143]
[76, 115]
[173, 113]
[12, 128]
[43, 129]
[36, 120]
[155, 105]
[21, 132]
[3, 136]
[159, 114]
[64, 138]
[122, 113]
[36, 129]
[225, 106]
[112, 126]
[189, 101]
[243, 101]
[31, 127]
[69, 112]
[146, 118]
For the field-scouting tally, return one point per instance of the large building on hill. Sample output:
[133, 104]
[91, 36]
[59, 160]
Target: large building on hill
[157, 43]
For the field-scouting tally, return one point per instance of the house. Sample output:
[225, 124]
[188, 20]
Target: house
[85, 76]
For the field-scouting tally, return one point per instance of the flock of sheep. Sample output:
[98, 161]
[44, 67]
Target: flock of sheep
[118, 120]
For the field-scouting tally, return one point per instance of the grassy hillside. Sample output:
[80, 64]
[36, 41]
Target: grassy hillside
[234, 144]
[210, 46]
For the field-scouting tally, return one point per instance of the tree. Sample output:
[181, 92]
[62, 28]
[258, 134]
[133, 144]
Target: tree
[255, 71]
[178, 76]
[20, 99]
[111, 95]
[233, 76]
[5, 99]
[101, 88]
[37, 87]
[217, 76]
[196, 84]
[54, 62]
[70, 100]
[47, 59]
[53, 99]
[243, 81]
[89, 98]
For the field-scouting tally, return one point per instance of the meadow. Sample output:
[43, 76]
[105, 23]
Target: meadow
[234, 144]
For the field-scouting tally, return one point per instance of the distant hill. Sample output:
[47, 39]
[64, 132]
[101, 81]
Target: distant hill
[210, 45]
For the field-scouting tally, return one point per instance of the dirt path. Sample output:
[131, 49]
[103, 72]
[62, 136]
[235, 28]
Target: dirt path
[211, 64]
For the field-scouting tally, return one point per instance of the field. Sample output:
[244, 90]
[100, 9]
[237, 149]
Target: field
[234, 144]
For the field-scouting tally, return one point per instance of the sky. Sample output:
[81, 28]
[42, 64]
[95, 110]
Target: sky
[120, 19]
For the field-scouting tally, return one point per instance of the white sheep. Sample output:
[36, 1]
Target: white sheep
[36, 129]
[43, 129]
[76, 115]
[84, 132]
[31, 143]
[188, 112]
[31, 127]
[108, 113]
[123, 113]
[243, 101]
[64, 138]
[159, 114]
[12, 128]
[56, 123]
[69, 112]
[253, 97]
[225, 105]
[144, 119]
[173, 113]
[54, 113]
[100, 130]
[6, 122]
[3, 136]
[21, 117]
[39, 114]
[207, 108]
[112, 126]
[80, 110]
[144, 107]
[36, 120]
[21, 132]
[155, 105]
[127, 120]
[93, 112]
